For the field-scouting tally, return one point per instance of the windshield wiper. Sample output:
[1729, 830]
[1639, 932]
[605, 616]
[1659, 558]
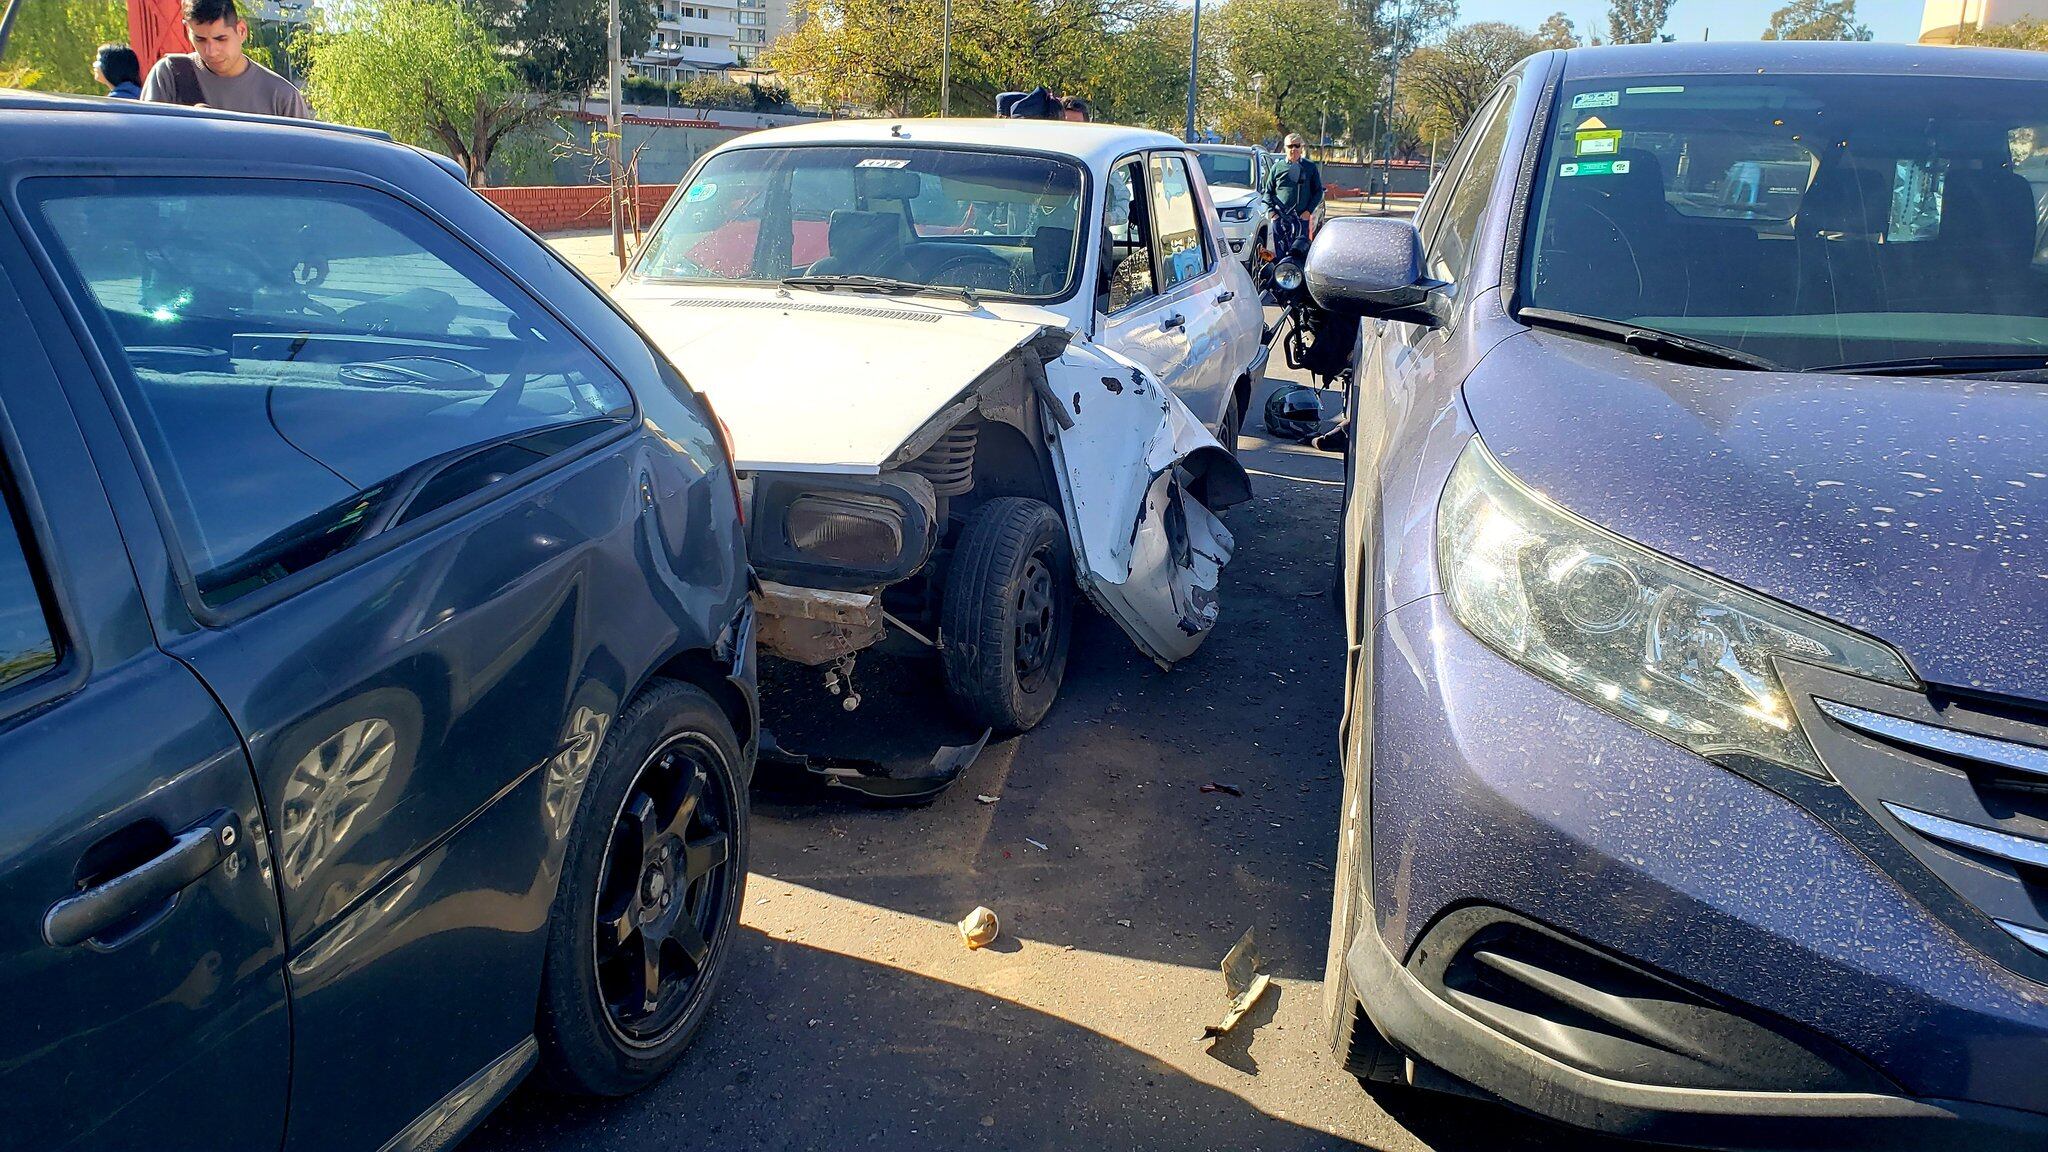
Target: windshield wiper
[863, 283]
[1940, 365]
[1649, 341]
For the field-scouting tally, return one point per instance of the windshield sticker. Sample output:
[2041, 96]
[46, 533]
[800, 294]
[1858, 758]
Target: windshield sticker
[1656, 90]
[699, 193]
[1595, 100]
[1594, 168]
[1597, 143]
[882, 164]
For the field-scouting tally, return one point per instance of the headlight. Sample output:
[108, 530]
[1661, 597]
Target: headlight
[840, 530]
[1235, 215]
[1683, 654]
[1287, 275]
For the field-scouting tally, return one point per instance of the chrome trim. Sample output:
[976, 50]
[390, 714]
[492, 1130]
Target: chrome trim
[1983, 749]
[2032, 937]
[1990, 841]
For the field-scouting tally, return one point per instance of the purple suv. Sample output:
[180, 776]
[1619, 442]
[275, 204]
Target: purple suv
[1696, 739]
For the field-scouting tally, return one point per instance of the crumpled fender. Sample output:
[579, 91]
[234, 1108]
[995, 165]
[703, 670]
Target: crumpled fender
[1141, 479]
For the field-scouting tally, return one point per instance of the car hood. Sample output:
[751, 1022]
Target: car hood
[822, 382]
[1231, 195]
[1913, 510]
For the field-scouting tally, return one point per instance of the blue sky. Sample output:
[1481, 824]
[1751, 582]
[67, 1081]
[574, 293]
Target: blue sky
[1896, 20]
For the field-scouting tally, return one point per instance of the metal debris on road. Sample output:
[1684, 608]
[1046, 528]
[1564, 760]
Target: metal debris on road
[1036, 844]
[1243, 981]
[1226, 789]
[979, 929]
[987, 799]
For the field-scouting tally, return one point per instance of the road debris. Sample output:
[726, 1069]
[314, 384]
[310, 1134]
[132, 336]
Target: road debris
[979, 929]
[869, 780]
[1226, 789]
[1124, 923]
[987, 799]
[1243, 981]
[1036, 844]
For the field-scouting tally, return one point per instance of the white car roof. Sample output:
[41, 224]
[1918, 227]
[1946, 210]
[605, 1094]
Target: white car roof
[1097, 145]
[1233, 149]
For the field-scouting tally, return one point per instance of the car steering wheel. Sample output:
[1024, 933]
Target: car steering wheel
[974, 265]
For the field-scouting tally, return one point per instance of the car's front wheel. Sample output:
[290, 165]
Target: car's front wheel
[1008, 614]
[652, 883]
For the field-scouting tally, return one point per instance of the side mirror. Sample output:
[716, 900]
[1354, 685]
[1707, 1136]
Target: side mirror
[1373, 266]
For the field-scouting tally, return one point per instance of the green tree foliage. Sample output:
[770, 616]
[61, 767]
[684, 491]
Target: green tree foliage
[1295, 58]
[1817, 20]
[1397, 27]
[1558, 32]
[426, 71]
[1637, 21]
[54, 41]
[2027, 33]
[561, 46]
[1444, 84]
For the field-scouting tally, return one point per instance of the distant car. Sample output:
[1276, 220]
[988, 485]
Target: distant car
[376, 664]
[969, 366]
[1237, 179]
[1696, 751]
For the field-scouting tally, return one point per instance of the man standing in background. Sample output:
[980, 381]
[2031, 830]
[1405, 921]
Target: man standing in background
[217, 74]
[1296, 187]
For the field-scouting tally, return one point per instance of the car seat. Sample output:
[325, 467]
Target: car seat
[1985, 247]
[1840, 225]
[1615, 247]
[864, 244]
[1052, 250]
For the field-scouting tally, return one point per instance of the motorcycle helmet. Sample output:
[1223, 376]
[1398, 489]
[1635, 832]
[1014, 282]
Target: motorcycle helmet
[1294, 413]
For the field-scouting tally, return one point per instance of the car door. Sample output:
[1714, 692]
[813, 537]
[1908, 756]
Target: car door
[1200, 287]
[140, 953]
[1138, 320]
[389, 497]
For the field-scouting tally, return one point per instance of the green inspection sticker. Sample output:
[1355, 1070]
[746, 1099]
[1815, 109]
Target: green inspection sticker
[1594, 168]
[699, 193]
[1656, 90]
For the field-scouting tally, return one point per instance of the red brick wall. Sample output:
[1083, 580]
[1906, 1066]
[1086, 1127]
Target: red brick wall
[571, 206]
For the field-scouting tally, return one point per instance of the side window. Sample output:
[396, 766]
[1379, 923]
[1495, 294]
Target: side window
[309, 365]
[1127, 243]
[1442, 180]
[1450, 253]
[26, 646]
[1177, 223]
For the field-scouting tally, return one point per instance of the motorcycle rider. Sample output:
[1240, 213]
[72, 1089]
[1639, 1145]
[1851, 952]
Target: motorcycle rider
[1295, 188]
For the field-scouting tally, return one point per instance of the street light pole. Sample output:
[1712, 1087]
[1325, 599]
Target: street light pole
[1393, 73]
[614, 125]
[1194, 56]
[946, 62]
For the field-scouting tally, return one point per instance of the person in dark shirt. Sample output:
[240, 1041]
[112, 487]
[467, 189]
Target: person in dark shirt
[1296, 187]
[217, 73]
[117, 67]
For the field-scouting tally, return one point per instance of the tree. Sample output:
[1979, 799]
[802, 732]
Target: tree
[1817, 20]
[1444, 84]
[1295, 57]
[2025, 33]
[426, 71]
[563, 45]
[54, 41]
[1558, 32]
[1396, 27]
[1637, 21]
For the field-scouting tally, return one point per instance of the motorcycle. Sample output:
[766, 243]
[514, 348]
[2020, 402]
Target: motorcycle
[1312, 340]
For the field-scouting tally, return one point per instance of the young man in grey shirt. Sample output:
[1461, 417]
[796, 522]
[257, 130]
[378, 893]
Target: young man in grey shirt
[216, 73]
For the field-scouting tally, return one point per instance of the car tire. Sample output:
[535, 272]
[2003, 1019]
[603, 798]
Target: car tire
[1357, 1042]
[1233, 425]
[1007, 615]
[663, 799]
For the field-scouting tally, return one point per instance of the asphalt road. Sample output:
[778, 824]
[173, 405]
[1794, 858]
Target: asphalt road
[853, 1017]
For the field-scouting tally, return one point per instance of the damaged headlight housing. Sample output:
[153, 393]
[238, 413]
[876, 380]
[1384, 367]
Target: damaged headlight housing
[845, 529]
[1673, 650]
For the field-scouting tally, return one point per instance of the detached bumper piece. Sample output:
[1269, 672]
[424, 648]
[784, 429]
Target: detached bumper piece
[869, 781]
[1557, 1027]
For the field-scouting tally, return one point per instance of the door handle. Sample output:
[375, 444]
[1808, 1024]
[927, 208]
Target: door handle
[1225, 296]
[1174, 321]
[196, 851]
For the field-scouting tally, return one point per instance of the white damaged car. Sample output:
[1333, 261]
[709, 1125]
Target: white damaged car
[967, 368]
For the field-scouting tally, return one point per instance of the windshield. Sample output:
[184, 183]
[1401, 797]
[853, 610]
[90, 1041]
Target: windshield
[1227, 167]
[1001, 224]
[1807, 220]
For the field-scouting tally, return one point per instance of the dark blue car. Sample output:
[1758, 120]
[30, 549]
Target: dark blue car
[376, 671]
[1696, 751]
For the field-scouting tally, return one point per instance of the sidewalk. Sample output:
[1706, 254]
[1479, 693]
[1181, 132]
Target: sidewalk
[590, 250]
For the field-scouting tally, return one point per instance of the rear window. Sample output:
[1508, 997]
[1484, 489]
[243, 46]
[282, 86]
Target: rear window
[310, 365]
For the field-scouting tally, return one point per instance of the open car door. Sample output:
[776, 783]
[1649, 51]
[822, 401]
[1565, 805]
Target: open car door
[1142, 481]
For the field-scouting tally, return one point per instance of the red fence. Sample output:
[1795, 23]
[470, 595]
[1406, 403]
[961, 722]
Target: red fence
[571, 206]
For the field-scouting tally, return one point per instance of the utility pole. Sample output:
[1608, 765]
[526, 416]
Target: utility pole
[614, 125]
[1194, 56]
[1393, 73]
[946, 62]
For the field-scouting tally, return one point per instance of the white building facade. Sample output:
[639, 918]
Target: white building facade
[699, 38]
[1942, 21]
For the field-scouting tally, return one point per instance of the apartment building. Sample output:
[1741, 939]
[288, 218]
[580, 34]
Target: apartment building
[1942, 21]
[696, 38]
